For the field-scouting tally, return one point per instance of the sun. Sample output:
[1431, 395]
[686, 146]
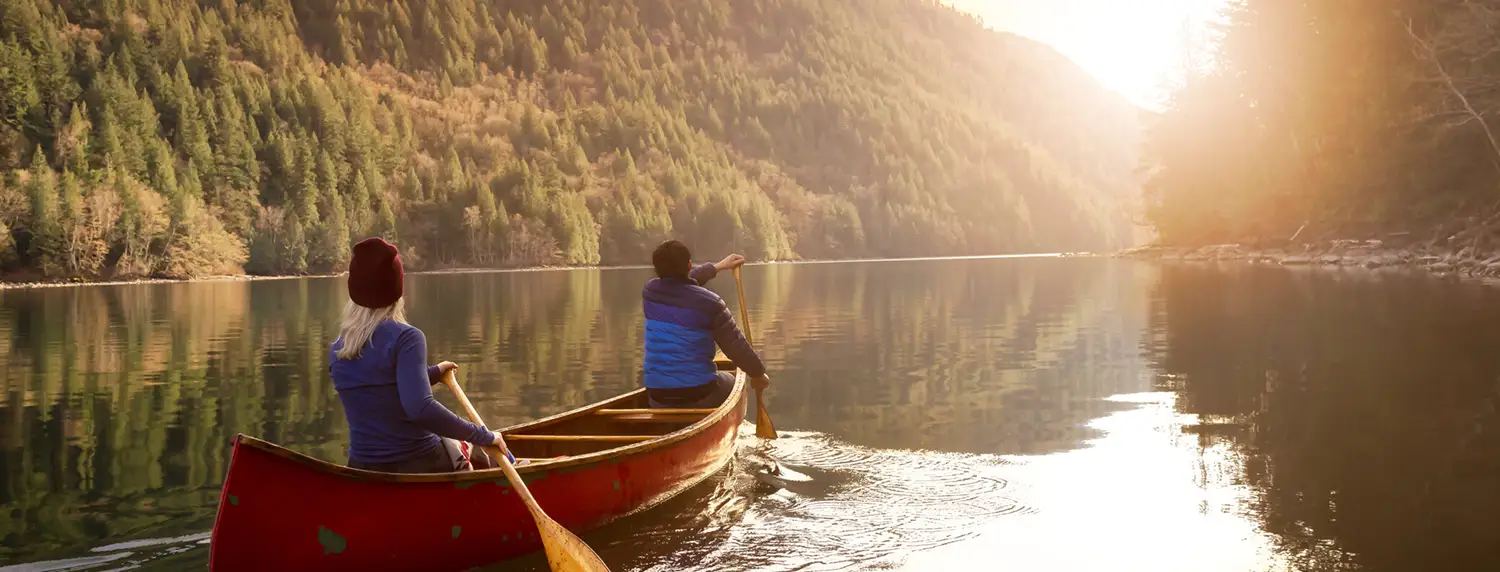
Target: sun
[1131, 46]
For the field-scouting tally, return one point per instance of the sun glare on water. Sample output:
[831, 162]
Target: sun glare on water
[1131, 46]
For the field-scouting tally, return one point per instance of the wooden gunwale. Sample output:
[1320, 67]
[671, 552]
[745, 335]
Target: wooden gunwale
[667, 440]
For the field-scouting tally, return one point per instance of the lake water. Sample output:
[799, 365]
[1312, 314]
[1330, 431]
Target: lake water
[1017, 414]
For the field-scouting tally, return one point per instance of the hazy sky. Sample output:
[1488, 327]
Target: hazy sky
[1128, 44]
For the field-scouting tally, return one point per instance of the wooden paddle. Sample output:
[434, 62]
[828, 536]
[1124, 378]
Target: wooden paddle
[763, 427]
[565, 551]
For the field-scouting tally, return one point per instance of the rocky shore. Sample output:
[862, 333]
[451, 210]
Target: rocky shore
[62, 283]
[1465, 261]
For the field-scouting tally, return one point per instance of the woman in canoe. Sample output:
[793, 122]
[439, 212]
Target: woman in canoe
[379, 367]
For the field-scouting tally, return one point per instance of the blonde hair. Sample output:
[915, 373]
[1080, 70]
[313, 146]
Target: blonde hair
[360, 323]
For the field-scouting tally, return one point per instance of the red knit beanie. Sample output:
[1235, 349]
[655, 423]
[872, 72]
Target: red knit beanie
[375, 277]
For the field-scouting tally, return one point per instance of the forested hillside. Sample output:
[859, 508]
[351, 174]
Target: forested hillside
[1331, 119]
[180, 138]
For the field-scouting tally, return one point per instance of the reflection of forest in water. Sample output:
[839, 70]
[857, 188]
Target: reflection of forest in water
[1003, 356]
[119, 402]
[1352, 401]
[1364, 407]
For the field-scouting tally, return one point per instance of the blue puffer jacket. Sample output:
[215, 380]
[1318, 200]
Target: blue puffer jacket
[683, 322]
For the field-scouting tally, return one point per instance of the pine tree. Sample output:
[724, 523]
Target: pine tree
[236, 167]
[71, 146]
[453, 175]
[161, 170]
[105, 149]
[385, 222]
[46, 232]
[306, 199]
[191, 184]
[330, 251]
[19, 98]
[294, 246]
[359, 212]
[412, 186]
[191, 135]
[327, 175]
[347, 41]
[70, 204]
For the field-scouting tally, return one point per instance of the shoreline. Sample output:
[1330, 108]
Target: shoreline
[67, 283]
[1366, 254]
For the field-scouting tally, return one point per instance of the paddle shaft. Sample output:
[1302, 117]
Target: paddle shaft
[739, 285]
[763, 426]
[565, 551]
[498, 453]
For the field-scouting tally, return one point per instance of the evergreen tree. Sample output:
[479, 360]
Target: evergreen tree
[46, 232]
[359, 212]
[294, 248]
[191, 134]
[385, 222]
[330, 251]
[19, 98]
[161, 168]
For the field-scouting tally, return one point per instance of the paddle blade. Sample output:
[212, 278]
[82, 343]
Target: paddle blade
[763, 426]
[565, 551]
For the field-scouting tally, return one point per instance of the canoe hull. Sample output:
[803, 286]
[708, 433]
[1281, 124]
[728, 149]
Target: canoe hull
[278, 512]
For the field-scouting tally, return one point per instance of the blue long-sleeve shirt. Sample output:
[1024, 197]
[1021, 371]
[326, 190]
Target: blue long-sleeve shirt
[387, 397]
[684, 321]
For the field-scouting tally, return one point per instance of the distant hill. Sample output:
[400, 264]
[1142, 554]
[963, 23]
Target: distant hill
[177, 138]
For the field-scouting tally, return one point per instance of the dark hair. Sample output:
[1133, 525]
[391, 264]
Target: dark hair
[672, 260]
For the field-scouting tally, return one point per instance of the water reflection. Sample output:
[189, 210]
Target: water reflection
[1042, 413]
[1002, 356]
[1145, 496]
[1365, 406]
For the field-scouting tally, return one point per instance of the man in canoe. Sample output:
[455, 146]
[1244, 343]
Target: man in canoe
[684, 321]
[379, 367]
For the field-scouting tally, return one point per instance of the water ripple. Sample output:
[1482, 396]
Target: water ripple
[809, 502]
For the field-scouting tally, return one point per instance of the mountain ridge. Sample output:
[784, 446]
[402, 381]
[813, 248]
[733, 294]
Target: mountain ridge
[171, 138]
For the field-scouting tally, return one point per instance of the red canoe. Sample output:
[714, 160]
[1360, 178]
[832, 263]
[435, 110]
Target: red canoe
[281, 510]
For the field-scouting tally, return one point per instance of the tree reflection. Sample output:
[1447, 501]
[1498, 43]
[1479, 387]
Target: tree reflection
[995, 356]
[117, 404]
[1367, 403]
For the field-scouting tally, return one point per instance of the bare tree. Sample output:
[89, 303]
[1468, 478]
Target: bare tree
[88, 233]
[1457, 50]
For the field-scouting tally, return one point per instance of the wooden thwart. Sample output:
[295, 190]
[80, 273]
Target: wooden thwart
[654, 411]
[608, 438]
[649, 418]
[654, 415]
